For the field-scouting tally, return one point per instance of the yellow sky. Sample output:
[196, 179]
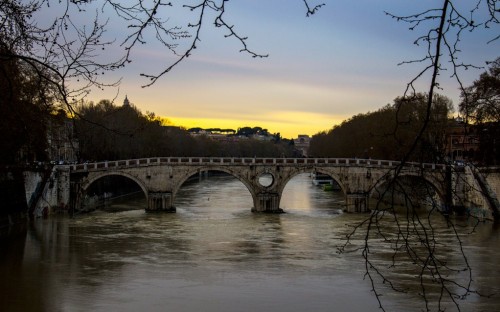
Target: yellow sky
[218, 101]
[276, 110]
[320, 71]
[305, 123]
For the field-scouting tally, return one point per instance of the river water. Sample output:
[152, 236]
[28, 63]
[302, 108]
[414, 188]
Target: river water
[213, 254]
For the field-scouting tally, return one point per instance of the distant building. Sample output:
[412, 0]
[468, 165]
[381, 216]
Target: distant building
[261, 137]
[462, 141]
[302, 144]
[126, 102]
[61, 140]
[215, 136]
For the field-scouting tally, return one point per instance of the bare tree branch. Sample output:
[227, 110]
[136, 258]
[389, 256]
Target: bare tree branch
[312, 10]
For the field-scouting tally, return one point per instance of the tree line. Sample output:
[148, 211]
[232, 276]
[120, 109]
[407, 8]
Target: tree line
[391, 131]
[28, 106]
[243, 131]
[109, 132]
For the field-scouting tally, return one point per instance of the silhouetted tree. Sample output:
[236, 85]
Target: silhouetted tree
[388, 132]
[109, 132]
[480, 105]
[26, 105]
[481, 101]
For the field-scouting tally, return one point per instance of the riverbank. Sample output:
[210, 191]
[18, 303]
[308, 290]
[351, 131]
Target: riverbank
[14, 210]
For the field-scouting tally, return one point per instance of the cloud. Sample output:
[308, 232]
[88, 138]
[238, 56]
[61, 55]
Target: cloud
[321, 70]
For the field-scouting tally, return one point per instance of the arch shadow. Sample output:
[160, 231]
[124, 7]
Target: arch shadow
[90, 182]
[409, 187]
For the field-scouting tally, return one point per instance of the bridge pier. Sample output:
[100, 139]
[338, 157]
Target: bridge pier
[267, 202]
[357, 202]
[160, 201]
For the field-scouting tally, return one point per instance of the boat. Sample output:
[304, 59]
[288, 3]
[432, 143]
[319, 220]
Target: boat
[327, 187]
[321, 179]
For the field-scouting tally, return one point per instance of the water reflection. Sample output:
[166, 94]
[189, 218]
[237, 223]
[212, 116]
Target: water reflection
[215, 255]
[300, 196]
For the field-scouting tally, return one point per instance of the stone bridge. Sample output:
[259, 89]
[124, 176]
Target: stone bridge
[161, 178]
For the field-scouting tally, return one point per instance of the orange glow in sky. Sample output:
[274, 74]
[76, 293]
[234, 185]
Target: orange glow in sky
[320, 71]
[287, 128]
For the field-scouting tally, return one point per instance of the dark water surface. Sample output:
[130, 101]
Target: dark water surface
[215, 255]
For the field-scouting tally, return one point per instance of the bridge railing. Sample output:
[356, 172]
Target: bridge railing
[103, 165]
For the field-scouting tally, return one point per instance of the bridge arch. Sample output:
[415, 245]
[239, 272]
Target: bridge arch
[186, 175]
[94, 177]
[284, 175]
[296, 171]
[428, 180]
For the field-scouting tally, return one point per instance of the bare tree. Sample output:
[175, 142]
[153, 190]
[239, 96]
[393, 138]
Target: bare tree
[416, 243]
[481, 101]
[72, 54]
[77, 53]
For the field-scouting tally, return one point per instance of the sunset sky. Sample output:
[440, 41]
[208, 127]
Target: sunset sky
[321, 70]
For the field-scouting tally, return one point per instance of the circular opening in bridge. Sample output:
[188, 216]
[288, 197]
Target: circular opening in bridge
[266, 179]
